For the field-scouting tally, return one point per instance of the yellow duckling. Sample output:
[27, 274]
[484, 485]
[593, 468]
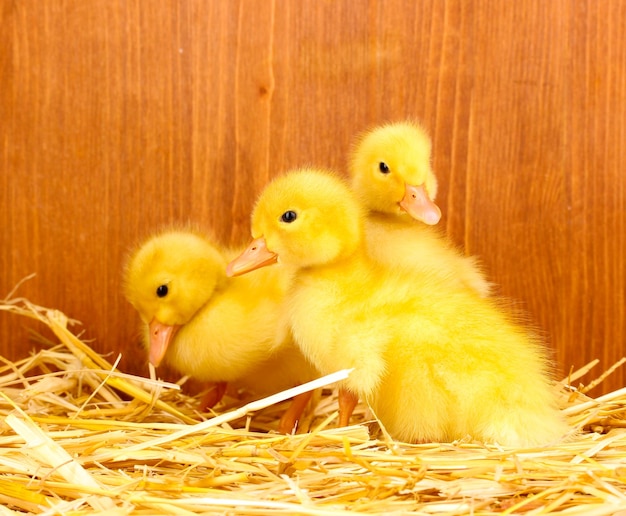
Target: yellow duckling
[213, 328]
[391, 171]
[435, 361]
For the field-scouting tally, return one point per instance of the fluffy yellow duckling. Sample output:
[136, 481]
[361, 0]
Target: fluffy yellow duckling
[210, 327]
[435, 361]
[391, 171]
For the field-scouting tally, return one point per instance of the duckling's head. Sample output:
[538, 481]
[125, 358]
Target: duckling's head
[305, 218]
[168, 279]
[391, 171]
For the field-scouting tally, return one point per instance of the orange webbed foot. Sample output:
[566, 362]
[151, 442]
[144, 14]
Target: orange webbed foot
[347, 402]
[289, 420]
[213, 396]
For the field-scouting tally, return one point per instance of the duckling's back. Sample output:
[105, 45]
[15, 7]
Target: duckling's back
[469, 369]
[400, 241]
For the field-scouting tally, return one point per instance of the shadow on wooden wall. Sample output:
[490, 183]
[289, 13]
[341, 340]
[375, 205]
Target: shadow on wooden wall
[118, 119]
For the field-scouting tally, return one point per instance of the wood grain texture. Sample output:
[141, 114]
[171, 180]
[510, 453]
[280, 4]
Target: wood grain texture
[119, 117]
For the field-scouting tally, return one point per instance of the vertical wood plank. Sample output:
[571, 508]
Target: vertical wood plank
[598, 183]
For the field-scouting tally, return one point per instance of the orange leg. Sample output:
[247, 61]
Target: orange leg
[347, 402]
[289, 421]
[213, 396]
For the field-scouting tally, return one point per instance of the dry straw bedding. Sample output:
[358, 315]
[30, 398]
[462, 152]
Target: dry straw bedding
[79, 436]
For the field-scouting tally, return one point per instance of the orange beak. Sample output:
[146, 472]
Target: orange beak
[255, 256]
[417, 204]
[160, 337]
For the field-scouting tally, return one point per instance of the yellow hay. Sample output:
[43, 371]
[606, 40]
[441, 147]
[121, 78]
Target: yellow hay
[78, 436]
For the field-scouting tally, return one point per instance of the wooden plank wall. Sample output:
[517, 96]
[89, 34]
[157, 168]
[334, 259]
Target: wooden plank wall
[120, 116]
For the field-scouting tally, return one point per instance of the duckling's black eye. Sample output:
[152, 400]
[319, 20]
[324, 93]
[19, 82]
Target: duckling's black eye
[162, 291]
[289, 216]
[383, 167]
